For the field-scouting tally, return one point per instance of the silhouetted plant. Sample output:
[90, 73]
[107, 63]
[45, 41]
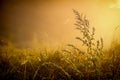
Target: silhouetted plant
[93, 48]
[88, 39]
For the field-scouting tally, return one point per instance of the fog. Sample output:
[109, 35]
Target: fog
[51, 22]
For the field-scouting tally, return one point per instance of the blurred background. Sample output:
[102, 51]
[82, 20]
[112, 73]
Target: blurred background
[31, 23]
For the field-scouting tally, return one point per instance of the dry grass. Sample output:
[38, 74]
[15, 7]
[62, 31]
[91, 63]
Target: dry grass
[31, 64]
[93, 63]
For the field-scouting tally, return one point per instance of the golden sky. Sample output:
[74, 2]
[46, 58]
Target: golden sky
[52, 21]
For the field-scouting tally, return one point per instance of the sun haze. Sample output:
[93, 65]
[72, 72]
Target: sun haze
[52, 21]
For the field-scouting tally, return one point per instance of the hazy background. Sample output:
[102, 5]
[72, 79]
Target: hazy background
[51, 22]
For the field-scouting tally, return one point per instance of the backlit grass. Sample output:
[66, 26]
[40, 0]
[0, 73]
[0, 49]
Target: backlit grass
[92, 63]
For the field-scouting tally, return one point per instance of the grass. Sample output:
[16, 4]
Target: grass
[92, 63]
[31, 64]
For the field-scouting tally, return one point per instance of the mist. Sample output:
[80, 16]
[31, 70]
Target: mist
[52, 22]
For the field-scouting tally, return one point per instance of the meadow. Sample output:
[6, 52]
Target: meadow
[92, 63]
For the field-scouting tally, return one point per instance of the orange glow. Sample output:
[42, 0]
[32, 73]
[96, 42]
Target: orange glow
[53, 21]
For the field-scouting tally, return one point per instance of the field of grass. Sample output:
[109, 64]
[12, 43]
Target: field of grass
[41, 64]
[93, 63]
